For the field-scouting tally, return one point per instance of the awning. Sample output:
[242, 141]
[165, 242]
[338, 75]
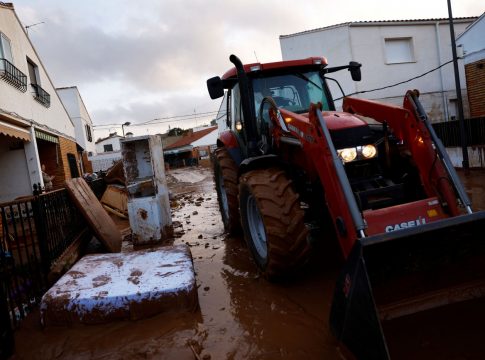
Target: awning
[14, 131]
[178, 150]
[45, 136]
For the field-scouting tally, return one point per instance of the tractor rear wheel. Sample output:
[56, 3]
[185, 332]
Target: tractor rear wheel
[225, 177]
[272, 220]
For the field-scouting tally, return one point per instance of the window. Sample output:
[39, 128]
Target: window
[33, 72]
[89, 136]
[8, 72]
[399, 50]
[108, 147]
[39, 94]
[5, 50]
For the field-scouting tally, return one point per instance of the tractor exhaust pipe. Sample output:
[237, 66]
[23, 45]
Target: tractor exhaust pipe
[249, 121]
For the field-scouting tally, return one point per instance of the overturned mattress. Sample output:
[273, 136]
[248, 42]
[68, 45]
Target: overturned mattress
[106, 287]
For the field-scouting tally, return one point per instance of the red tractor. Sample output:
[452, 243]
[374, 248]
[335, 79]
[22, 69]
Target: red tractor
[292, 171]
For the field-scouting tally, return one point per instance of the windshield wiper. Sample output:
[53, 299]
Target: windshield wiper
[306, 78]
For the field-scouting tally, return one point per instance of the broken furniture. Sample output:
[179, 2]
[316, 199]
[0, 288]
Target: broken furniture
[98, 219]
[148, 202]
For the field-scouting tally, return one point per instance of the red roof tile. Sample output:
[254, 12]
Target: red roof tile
[189, 139]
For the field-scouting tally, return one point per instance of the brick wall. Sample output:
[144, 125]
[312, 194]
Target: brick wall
[475, 82]
[88, 166]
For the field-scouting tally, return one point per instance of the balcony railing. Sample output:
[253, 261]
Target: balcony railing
[12, 75]
[41, 95]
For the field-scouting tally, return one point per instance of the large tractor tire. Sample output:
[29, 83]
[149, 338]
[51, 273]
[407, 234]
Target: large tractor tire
[272, 220]
[225, 177]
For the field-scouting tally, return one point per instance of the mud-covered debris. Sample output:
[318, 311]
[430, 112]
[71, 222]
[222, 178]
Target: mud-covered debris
[199, 199]
[198, 204]
[200, 236]
[206, 288]
[187, 221]
[215, 247]
[195, 213]
[176, 224]
[206, 245]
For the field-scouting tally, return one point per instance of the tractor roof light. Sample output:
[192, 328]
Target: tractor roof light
[239, 126]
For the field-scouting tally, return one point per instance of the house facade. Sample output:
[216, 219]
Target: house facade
[472, 41]
[390, 52]
[108, 151]
[35, 128]
[194, 148]
[83, 126]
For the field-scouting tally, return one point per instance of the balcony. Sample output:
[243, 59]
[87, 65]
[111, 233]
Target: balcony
[12, 75]
[41, 95]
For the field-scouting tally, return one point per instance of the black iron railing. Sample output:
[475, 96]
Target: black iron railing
[41, 95]
[34, 233]
[12, 75]
[449, 132]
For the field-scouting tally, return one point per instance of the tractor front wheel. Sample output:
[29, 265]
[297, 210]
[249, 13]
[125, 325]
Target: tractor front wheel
[225, 177]
[272, 220]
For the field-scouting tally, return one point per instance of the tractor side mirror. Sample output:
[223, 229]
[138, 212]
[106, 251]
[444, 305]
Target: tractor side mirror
[215, 87]
[354, 68]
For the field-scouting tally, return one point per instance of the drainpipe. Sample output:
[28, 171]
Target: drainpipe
[443, 96]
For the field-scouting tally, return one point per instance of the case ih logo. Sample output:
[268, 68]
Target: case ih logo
[404, 225]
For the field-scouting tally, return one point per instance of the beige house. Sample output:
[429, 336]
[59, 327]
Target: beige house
[35, 127]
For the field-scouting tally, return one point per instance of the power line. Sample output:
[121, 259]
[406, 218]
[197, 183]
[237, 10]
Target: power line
[396, 84]
[167, 119]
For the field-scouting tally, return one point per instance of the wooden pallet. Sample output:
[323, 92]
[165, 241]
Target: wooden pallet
[98, 219]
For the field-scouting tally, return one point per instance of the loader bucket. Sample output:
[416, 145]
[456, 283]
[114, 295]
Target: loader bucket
[407, 273]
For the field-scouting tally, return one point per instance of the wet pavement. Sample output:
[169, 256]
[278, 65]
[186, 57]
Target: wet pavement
[241, 315]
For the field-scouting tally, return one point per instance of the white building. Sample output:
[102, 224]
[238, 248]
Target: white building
[390, 52]
[74, 104]
[35, 128]
[108, 151]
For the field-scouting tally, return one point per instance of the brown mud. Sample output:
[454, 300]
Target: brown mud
[241, 315]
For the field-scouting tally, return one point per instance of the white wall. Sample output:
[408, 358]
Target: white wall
[365, 43]
[209, 139]
[333, 44]
[115, 141]
[473, 41]
[12, 100]
[71, 98]
[15, 177]
[104, 161]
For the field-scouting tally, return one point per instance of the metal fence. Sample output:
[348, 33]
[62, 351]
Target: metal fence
[34, 232]
[449, 132]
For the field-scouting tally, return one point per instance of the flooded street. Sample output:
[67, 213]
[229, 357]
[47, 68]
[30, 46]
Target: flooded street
[241, 315]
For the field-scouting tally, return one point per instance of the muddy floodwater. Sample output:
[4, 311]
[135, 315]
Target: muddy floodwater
[241, 315]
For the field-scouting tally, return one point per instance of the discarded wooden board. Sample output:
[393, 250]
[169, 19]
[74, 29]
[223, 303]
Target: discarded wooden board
[107, 287]
[98, 219]
[115, 200]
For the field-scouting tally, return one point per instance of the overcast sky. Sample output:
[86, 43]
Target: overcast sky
[142, 60]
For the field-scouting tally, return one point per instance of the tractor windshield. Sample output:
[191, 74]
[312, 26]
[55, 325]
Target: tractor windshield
[292, 91]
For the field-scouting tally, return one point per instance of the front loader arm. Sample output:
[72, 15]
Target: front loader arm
[408, 128]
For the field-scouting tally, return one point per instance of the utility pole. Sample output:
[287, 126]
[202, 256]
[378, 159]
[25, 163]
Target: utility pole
[461, 118]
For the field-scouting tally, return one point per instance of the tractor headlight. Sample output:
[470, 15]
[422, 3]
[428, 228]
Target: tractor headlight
[357, 153]
[348, 154]
[369, 151]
